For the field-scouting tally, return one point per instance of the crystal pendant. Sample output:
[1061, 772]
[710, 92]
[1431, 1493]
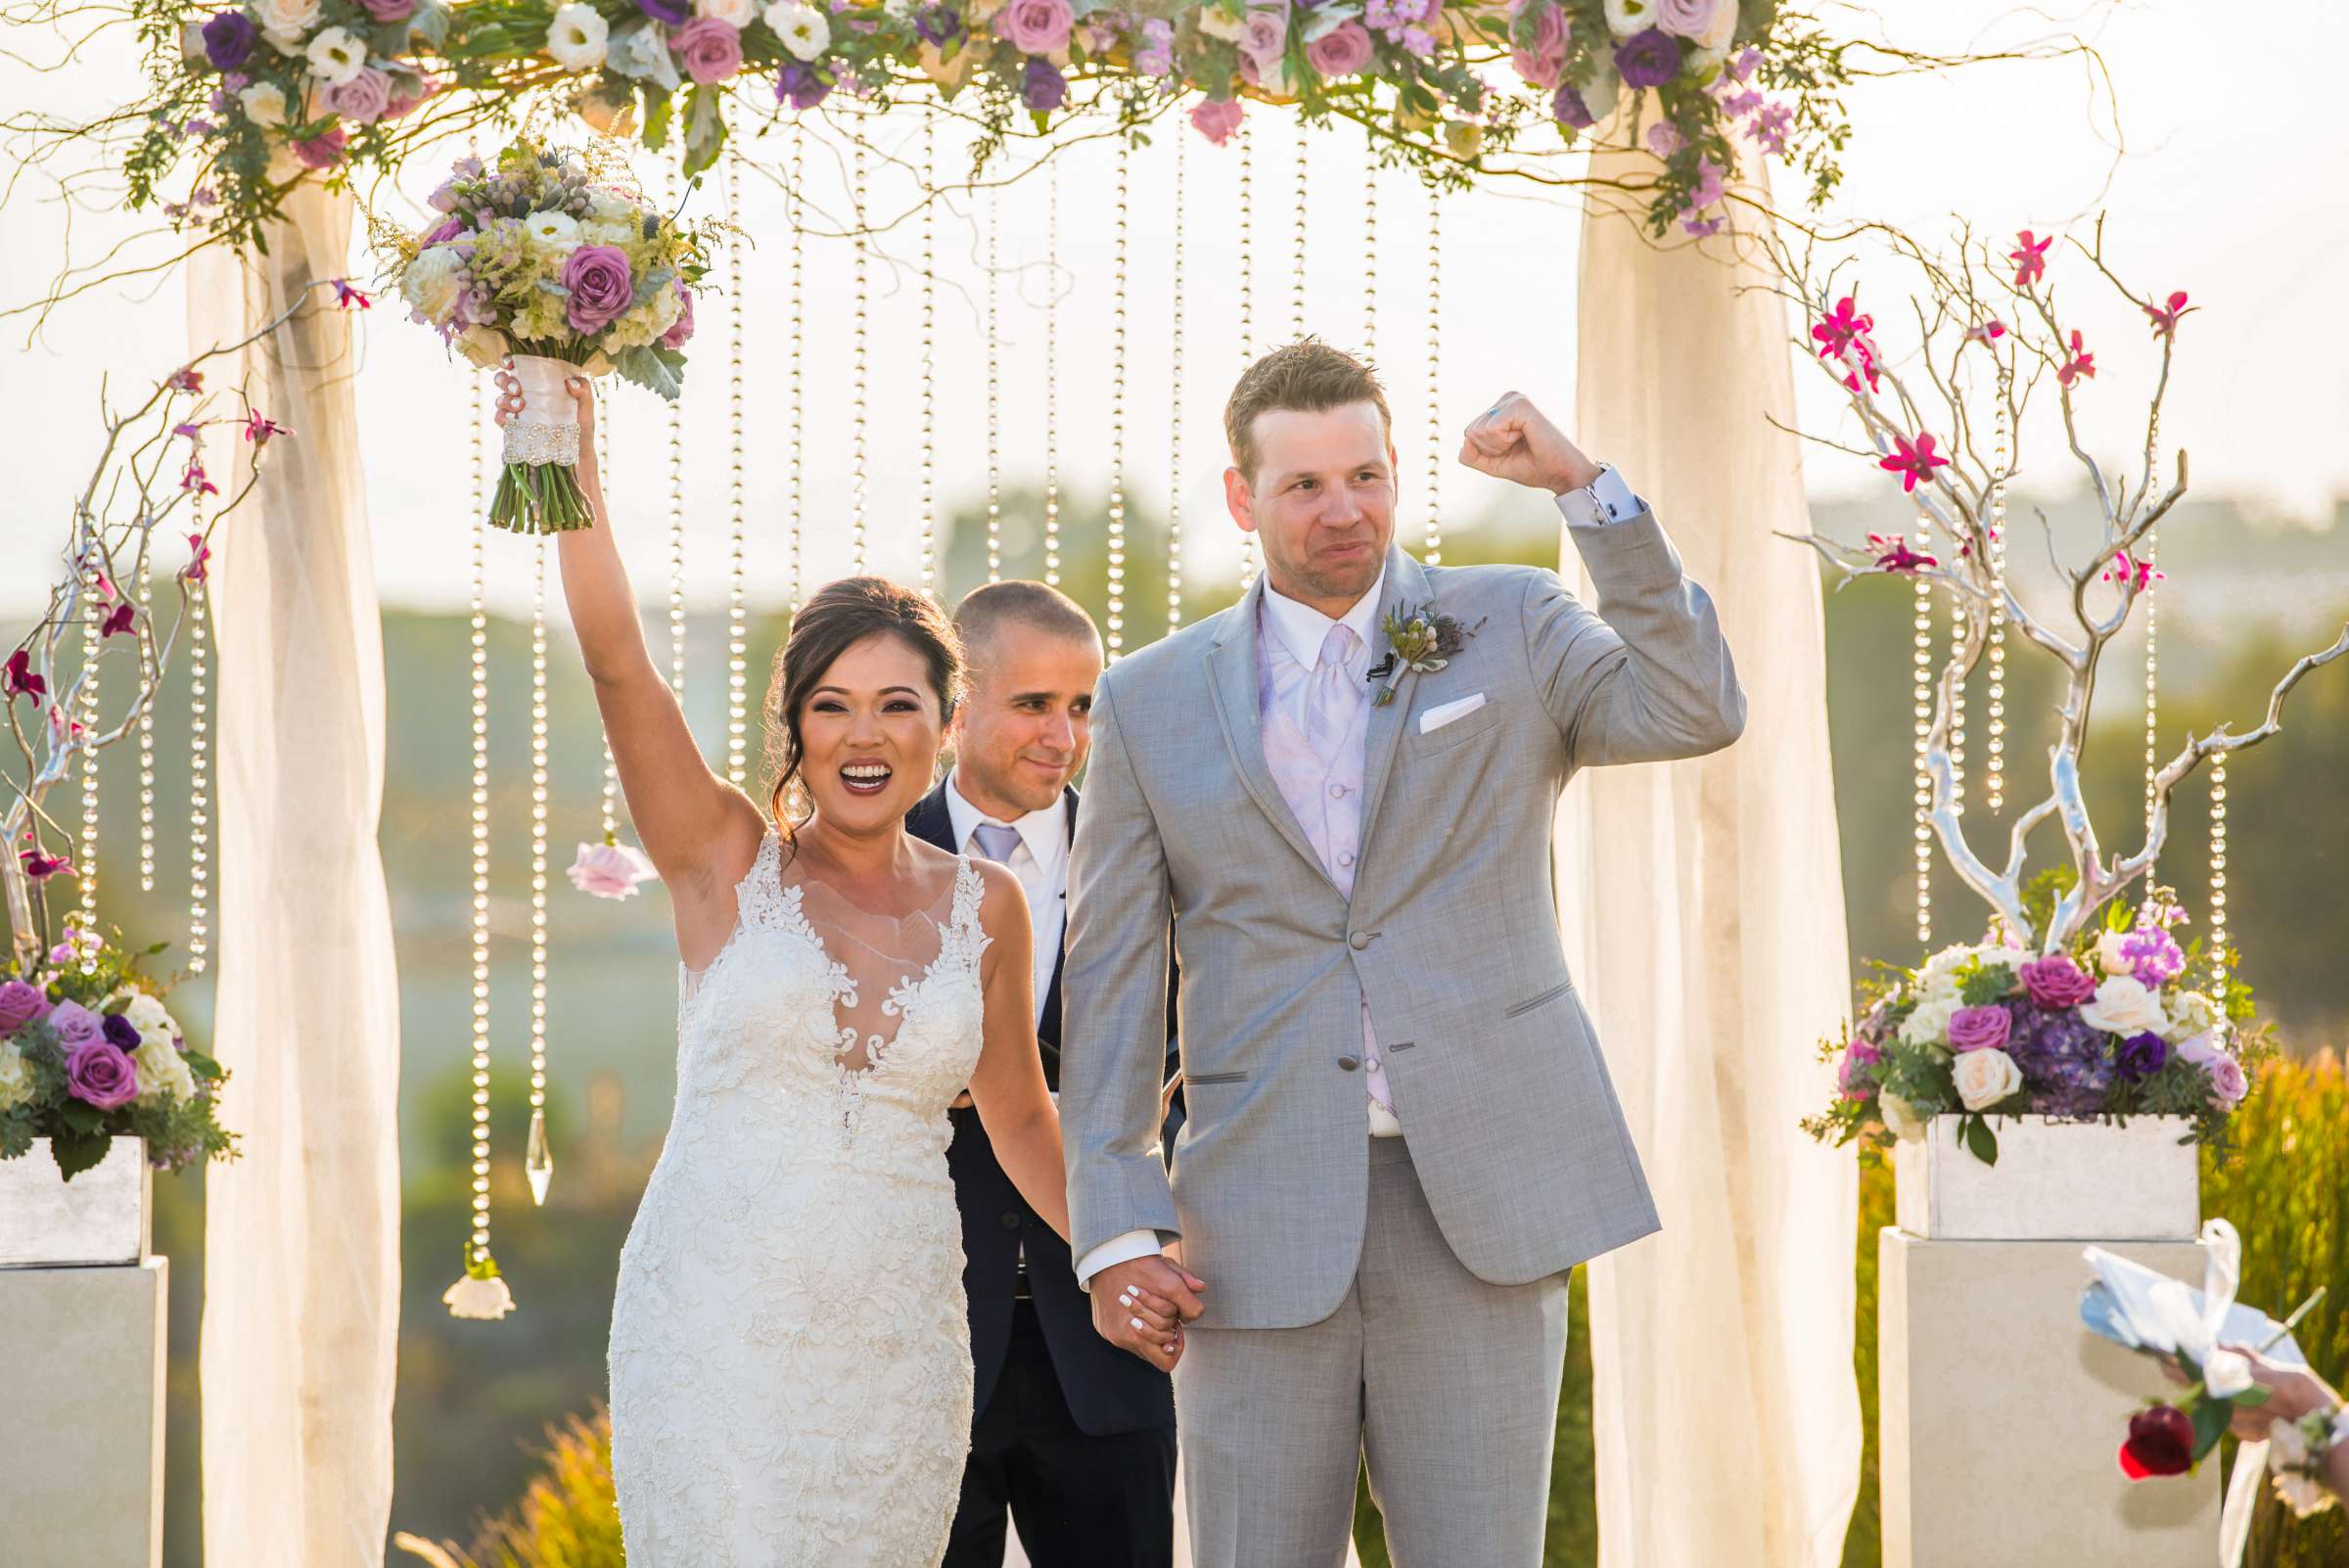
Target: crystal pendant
[536, 1162]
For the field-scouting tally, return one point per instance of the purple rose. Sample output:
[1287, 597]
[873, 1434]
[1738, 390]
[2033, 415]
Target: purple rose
[2143, 1056]
[1857, 1076]
[1042, 87]
[1035, 26]
[2057, 981]
[388, 9]
[122, 1031]
[680, 331]
[2228, 1085]
[711, 49]
[596, 277]
[1570, 110]
[801, 85]
[1648, 59]
[102, 1075]
[362, 99]
[1541, 54]
[227, 39]
[1979, 1028]
[76, 1025]
[1340, 52]
[19, 1004]
[1688, 18]
[672, 11]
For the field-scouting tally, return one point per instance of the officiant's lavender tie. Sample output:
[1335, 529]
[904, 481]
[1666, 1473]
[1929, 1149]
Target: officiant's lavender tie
[995, 841]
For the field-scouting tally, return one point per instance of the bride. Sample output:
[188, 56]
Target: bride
[790, 1362]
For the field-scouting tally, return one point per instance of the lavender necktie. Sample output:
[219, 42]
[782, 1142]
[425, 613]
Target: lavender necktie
[996, 841]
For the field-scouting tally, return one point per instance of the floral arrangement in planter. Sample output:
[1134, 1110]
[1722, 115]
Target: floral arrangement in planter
[2079, 1005]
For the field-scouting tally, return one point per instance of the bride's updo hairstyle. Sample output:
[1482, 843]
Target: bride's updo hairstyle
[835, 618]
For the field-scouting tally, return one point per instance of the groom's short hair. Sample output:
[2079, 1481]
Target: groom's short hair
[1037, 606]
[1309, 375]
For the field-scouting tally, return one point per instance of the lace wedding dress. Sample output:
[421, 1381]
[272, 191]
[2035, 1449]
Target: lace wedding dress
[791, 1365]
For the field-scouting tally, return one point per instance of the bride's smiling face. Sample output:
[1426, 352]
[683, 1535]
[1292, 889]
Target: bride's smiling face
[869, 734]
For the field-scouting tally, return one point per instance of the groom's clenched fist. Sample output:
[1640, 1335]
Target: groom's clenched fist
[1514, 441]
[1140, 1306]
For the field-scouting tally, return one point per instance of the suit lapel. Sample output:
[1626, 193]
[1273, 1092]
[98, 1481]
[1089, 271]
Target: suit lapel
[1406, 588]
[1231, 684]
[931, 821]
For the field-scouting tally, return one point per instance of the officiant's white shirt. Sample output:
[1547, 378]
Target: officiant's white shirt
[1041, 863]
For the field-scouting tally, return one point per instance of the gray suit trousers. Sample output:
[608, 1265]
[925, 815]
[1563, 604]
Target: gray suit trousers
[1447, 1385]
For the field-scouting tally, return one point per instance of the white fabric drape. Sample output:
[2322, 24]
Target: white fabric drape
[1703, 908]
[302, 1234]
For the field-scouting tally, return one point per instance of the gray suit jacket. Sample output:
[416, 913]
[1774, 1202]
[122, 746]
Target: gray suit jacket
[1186, 846]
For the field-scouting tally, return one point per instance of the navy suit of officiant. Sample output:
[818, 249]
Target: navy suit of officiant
[1071, 1435]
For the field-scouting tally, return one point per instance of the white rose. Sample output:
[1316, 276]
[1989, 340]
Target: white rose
[159, 1067]
[577, 37]
[336, 56]
[1985, 1078]
[1900, 1116]
[803, 29]
[431, 284]
[484, 347]
[1929, 1024]
[148, 1017]
[735, 14]
[263, 103]
[552, 231]
[2192, 1013]
[288, 21]
[607, 230]
[1626, 16]
[2109, 957]
[15, 1078]
[612, 206]
[2124, 1006]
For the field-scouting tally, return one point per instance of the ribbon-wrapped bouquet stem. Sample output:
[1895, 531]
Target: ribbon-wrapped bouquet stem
[558, 269]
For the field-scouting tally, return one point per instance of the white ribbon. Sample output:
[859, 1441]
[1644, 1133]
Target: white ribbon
[547, 430]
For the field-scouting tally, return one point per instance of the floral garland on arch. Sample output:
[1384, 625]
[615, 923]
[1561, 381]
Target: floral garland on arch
[262, 94]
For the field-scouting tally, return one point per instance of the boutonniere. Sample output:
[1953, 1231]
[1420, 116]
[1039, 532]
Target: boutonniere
[1423, 641]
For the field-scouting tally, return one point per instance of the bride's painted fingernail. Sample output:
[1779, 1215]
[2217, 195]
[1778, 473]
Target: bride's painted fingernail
[1138, 1324]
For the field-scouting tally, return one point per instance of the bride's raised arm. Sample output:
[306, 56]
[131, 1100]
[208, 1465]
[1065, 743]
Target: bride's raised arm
[700, 833]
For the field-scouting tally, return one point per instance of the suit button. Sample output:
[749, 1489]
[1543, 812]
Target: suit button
[1011, 1219]
[1360, 940]
[1350, 1062]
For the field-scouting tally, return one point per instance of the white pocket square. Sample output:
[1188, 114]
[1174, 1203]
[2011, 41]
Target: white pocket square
[1437, 717]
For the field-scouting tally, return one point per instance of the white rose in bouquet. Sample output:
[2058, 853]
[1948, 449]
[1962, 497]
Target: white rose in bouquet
[2124, 1006]
[1985, 1078]
[433, 284]
[160, 1068]
[1902, 1117]
[2191, 1013]
[15, 1078]
[336, 56]
[149, 1018]
[263, 103]
[285, 22]
[2112, 956]
[484, 347]
[735, 14]
[579, 37]
[1929, 1024]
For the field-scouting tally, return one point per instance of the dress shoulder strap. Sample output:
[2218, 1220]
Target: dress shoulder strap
[760, 896]
[965, 937]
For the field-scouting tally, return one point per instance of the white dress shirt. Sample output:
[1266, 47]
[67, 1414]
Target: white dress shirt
[1041, 863]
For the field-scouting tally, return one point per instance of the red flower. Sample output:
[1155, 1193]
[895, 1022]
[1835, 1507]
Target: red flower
[19, 680]
[1894, 555]
[2082, 363]
[2161, 1442]
[1914, 464]
[119, 621]
[258, 429]
[2030, 259]
[348, 296]
[2165, 322]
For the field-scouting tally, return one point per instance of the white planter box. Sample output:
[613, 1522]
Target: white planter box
[2055, 1182]
[103, 1215]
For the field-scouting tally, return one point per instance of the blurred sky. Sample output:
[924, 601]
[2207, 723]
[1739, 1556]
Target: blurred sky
[2223, 196]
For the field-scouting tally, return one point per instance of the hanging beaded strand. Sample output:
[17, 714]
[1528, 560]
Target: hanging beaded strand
[1432, 552]
[738, 619]
[200, 763]
[476, 1246]
[859, 358]
[1994, 765]
[537, 1162]
[1053, 374]
[2218, 874]
[1246, 250]
[146, 736]
[1960, 628]
[1175, 414]
[994, 393]
[1923, 702]
[1296, 226]
[2152, 648]
[602, 479]
[928, 351]
[1117, 410]
[795, 361]
[93, 647]
[676, 520]
[1370, 253]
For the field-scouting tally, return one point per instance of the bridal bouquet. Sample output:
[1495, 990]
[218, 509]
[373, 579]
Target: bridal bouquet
[556, 266]
[2120, 1022]
[88, 1052]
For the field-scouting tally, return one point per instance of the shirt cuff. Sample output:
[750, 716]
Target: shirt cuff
[1614, 497]
[1117, 1250]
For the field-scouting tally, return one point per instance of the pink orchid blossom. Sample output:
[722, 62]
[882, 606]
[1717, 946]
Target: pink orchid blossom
[200, 554]
[350, 297]
[2125, 567]
[18, 679]
[194, 480]
[39, 866]
[1894, 555]
[1990, 331]
[258, 429]
[2165, 322]
[118, 620]
[2030, 259]
[2082, 363]
[1914, 463]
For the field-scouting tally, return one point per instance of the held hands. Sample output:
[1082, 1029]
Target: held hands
[1514, 441]
[1141, 1304]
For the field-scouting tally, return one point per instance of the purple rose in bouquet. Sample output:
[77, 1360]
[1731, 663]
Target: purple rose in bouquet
[1857, 1074]
[2063, 1061]
[2228, 1082]
[596, 277]
[1980, 1029]
[388, 9]
[19, 1004]
[2143, 1056]
[1042, 87]
[680, 331]
[711, 49]
[2056, 982]
[100, 1074]
[76, 1025]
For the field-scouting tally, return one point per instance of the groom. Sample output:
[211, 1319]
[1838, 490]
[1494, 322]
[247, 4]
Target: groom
[1401, 1135]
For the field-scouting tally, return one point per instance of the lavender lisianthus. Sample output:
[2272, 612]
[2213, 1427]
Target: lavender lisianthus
[672, 11]
[597, 280]
[121, 1030]
[101, 1075]
[2143, 1056]
[938, 24]
[1568, 108]
[1648, 59]
[1043, 86]
[228, 39]
[801, 85]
